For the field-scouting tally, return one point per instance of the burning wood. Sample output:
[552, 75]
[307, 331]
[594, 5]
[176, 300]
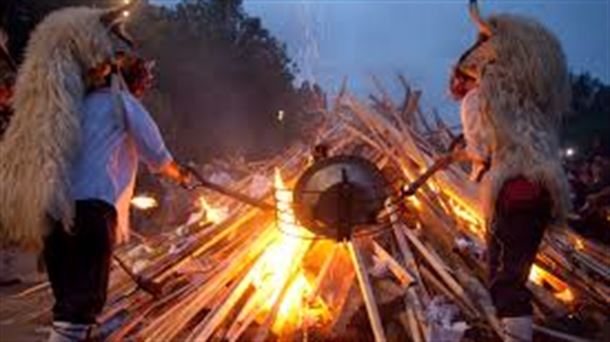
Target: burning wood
[248, 274]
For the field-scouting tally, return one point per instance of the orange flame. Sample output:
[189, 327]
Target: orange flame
[561, 290]
[278, 271]
[414, 201]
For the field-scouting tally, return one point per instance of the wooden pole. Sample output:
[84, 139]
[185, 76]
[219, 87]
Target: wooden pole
[367, 292]
[405, 278]
[413, 301]
[440, 268]
[559, 335]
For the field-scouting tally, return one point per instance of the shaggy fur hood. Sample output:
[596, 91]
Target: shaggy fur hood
[524, 90]
[43, 135]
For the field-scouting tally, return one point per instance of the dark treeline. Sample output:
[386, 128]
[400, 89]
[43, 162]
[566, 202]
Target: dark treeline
[588, 125]
[222, 78]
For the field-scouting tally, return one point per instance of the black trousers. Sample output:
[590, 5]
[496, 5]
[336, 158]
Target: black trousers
[516, 232]
[78, 263]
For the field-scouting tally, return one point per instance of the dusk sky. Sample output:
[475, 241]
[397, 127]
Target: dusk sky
[331, 39]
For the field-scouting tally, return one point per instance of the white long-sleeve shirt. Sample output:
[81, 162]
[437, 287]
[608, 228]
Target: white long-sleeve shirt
[477, 131]
[113, 140]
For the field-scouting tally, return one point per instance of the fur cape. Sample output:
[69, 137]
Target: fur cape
[43, 135]
[524, 91]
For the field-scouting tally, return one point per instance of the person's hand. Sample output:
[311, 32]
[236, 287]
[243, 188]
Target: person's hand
[458, 143]
[186, 179]
[179, 174]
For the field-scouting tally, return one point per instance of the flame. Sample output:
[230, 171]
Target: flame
[566, 296]
[464, 213]
[414, 201]
[537, 275]
[212, 214]
[434, 187]
[278, 273]
[472, 219]
[561, 290]
[144, 202]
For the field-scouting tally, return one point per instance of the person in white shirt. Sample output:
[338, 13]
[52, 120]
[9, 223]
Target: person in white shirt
[477, 135]
[116, 134]
[475, 127]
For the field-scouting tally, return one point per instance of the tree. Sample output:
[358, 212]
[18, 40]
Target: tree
[222, 77]
[589, 120]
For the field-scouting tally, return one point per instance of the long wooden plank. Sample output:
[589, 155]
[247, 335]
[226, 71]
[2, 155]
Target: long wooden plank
[367, 292]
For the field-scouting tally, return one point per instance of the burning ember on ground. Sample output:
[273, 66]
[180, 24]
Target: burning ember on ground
[144, 202]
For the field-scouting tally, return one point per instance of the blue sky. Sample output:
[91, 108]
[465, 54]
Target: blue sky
[331, 39]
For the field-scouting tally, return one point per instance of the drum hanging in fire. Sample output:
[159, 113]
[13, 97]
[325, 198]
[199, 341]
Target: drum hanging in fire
[340, 196]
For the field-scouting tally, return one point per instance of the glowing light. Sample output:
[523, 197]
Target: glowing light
[464, 213]
[565, 296]
[536, 275]
[126, 14]
[579, 245]
[570, 152]
[561, 290]
[279, 267]
[144, 202]
[434, 187]
[211, 214]
[280, 115]
[414, 201]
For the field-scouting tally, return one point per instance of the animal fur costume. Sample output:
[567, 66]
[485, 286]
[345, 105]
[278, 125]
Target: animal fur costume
[43, 135]
[521, 73]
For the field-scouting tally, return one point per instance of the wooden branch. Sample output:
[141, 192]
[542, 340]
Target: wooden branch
[401, 274]
[413, 302]
[367, 292]
[409, 322]
[247, 315]
[559, 335]
[217, 316]
[440, 269]
[264, 329]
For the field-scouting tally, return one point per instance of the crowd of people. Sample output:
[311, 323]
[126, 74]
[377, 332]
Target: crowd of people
[589, 177]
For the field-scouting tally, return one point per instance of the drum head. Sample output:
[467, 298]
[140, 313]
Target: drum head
[338, 193]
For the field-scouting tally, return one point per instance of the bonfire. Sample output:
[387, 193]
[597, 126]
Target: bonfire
[240, 272]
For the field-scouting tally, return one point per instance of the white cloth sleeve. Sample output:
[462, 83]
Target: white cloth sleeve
[476, 132]
[145, 134]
